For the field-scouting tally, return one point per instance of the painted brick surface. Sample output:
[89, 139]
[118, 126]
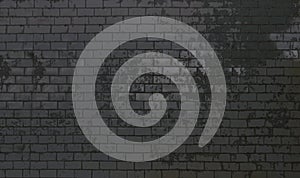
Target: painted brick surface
[256, 41]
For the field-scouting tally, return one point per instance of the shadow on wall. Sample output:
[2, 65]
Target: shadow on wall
[240, 29]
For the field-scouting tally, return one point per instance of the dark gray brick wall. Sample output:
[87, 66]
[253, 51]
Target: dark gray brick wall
[257, 41]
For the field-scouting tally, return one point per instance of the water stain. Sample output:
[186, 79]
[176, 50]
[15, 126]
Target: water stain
[4, 71]
[38, 69]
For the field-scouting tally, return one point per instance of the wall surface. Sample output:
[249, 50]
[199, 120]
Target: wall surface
[257, 42]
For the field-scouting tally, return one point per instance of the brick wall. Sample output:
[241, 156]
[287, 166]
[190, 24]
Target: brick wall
[256, 41]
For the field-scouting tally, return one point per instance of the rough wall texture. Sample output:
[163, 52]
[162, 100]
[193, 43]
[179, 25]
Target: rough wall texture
[257, 41]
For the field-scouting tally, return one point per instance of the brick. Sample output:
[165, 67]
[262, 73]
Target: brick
[257, 43]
